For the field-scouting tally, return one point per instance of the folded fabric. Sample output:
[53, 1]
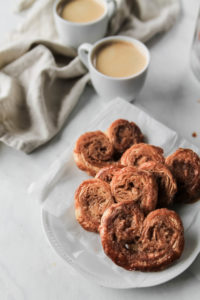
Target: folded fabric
[37, 95]
[41, 80]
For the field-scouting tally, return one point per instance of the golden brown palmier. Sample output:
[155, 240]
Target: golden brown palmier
[92, 198]
[135, 185]
[92, 151]
[185, 166]
[167, 187]
[107, 173]
[124, 134]
[141, 153]
[137, 243]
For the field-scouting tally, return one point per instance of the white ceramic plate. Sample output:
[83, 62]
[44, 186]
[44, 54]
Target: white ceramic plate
[83, 249]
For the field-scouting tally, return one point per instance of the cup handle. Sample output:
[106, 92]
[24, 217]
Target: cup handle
[112, 7]
[83, 52]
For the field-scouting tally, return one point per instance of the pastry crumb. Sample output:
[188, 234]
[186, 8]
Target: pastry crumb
[194, 134]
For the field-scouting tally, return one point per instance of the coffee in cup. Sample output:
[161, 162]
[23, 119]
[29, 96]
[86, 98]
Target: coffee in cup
[82, 11]
[118, 66]
[79, 21]
[119, 58]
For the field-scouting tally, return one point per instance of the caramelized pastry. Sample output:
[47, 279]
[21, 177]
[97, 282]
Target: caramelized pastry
[92, 198]
[124, 134]
[185, 166]
[107, 173]
[135, 185]
[141, 153]
[92, 151]
[167, 187]
[137, 243]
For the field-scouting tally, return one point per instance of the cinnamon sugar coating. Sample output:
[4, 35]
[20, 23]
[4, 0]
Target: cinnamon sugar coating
[167, 187]
[184, 164]
[92, 198]
[135, 185]
[124, 134]
[141, 153]
[138, 243]
[93, 151]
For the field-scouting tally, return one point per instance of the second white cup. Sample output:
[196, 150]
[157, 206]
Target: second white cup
[110, 87]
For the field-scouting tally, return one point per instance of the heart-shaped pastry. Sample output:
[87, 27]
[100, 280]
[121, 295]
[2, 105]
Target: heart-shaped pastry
[185, 166]
[124, 134]
[135, 185]
[167, 187]
[92, 151]
[138, 243]
[141, 153]
[106, 174]
[92, 198]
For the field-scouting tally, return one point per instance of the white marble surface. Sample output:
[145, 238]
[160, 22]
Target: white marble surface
[29, 268]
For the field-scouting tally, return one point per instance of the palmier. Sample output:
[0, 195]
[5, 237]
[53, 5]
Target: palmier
[92, 151]
[124, 134]
[107, 173]
[141, 153]
[92, 197]
[135, 185]
[185, 166]
[167, 187]
[137, 243]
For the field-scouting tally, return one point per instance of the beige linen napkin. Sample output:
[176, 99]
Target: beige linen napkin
[41, 80]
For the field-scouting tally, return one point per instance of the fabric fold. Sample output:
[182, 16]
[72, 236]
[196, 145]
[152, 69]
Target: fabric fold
[44, 94]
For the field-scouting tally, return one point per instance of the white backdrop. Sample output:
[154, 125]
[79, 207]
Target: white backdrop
[29, 268]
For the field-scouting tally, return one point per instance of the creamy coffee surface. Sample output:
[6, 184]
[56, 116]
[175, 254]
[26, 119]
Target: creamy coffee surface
[82, 11]
[119, 59]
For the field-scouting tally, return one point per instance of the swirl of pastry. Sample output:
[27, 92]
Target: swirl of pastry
[106, 174]
[92, 151]
[92, 198]
[137, 243]
[135, 185]
[141, 153]
[167, 187]
[124, 134]
[185, 167]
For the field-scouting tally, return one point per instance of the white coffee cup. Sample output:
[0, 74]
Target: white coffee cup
[110, 87]
[74, 34]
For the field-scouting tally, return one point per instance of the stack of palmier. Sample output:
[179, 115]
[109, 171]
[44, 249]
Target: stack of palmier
[128, 201]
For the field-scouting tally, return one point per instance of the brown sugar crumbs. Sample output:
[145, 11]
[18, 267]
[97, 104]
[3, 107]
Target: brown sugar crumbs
[194, 134]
